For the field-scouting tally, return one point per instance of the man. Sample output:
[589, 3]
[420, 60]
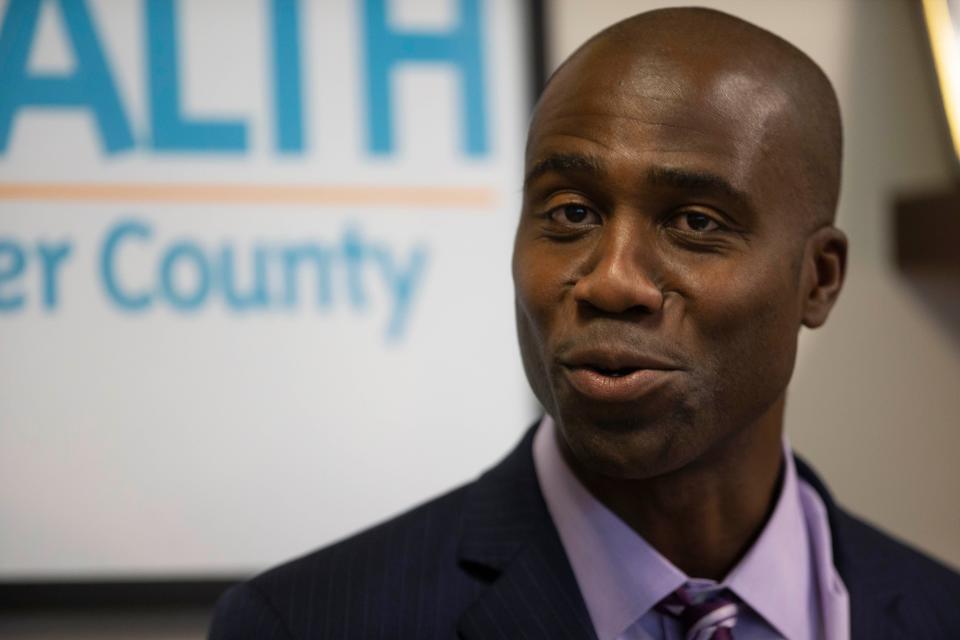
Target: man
[683, 171]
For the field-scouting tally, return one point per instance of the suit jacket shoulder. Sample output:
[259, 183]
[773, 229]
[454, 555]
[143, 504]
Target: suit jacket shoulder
[481, 562]
[391, 581]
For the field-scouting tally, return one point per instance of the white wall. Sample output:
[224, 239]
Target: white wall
[874, 402]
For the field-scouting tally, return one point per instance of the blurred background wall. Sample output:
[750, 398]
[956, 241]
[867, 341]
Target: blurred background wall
[874, 403]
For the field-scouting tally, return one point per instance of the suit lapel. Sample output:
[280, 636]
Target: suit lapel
[509, 537]
[532, 598]
[875, 615]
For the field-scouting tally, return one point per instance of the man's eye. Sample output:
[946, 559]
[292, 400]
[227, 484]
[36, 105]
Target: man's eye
[574, 214]
[697, 222]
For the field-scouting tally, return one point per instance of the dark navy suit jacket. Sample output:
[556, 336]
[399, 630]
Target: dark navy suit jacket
[485, 562]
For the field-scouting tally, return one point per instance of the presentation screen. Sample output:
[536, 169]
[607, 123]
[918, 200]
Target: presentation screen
[255, 287]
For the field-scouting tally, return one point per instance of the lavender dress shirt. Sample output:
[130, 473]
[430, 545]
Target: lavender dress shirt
[786, 580]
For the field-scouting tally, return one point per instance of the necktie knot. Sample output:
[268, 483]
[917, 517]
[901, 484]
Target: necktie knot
[707, 614]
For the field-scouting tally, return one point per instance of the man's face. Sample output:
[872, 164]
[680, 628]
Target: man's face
[657, 259]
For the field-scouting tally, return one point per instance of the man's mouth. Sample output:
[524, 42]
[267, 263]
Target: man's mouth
[617, 385]
[612, 373]
[614, 361]
[609, 375]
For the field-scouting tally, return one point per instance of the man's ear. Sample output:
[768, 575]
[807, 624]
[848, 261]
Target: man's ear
[824, 266]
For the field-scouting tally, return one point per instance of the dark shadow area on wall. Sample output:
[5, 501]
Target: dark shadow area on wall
[151, 623]
[32, 596]
[107, 610]
[927, 236]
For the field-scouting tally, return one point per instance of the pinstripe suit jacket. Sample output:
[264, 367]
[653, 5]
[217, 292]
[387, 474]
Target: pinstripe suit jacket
[485, 562]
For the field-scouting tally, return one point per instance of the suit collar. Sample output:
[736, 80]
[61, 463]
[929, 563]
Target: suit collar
[509, 537]
[875, 593]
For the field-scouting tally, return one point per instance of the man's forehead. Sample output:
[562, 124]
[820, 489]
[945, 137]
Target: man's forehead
[604, 89]
[692, 112]
[709, 130]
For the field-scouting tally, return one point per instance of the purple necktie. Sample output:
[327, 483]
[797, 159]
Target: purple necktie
[706, 615]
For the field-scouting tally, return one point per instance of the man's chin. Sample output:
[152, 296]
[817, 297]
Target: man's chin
[633, 448]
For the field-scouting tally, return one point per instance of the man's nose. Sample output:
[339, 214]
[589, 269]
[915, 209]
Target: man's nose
[619, 278]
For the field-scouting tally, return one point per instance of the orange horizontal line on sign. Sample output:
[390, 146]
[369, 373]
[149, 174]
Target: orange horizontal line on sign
[187, 193]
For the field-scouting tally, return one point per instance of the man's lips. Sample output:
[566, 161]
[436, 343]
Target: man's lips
[616, 376]
[614, 360]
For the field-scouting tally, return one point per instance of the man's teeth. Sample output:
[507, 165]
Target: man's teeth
[613, 373]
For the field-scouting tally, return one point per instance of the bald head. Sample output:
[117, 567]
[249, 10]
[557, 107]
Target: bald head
[743, 71]
[675, 235]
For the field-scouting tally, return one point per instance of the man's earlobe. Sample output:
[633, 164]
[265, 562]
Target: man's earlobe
[824, 270]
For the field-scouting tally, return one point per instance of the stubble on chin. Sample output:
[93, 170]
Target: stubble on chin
[630, 447]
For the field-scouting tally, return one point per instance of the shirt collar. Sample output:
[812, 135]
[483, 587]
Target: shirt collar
[774, 576]
[622, 577]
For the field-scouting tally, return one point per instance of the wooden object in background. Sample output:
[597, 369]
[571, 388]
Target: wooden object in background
[927, 234]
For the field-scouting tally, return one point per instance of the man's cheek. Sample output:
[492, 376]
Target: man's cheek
[757, 353]
[723, 313]
[743, 324]
[537, 290]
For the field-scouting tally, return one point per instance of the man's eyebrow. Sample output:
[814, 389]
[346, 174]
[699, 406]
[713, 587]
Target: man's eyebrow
[564, 163]
[696, 181]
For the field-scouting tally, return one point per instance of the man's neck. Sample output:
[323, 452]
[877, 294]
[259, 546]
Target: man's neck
[706, 515]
